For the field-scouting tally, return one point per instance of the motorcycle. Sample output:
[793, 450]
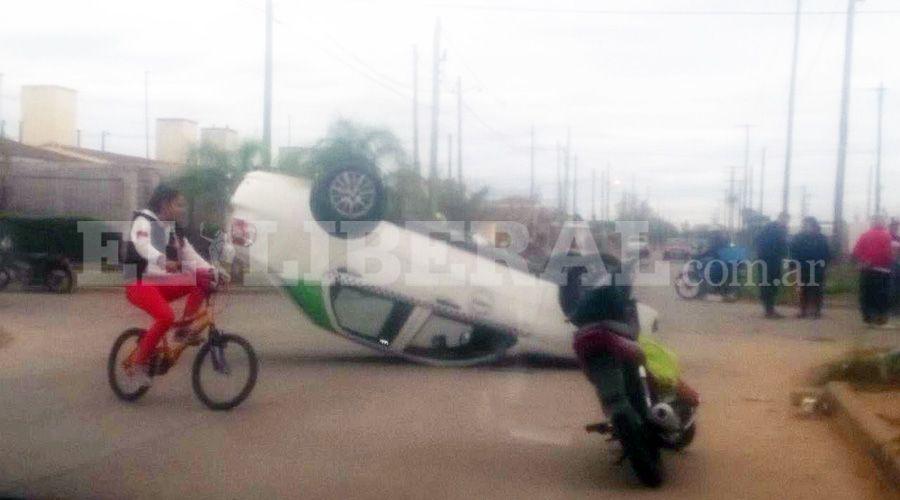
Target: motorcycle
[640, 416]
[722, 275]
[53, 272]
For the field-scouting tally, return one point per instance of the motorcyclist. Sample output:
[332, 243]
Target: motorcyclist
[609, 298]
[710, 257]
[717, 241]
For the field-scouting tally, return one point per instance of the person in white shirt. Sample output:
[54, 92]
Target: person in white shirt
[161, 267]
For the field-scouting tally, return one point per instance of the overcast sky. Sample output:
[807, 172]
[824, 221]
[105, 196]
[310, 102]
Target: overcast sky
[658, 90]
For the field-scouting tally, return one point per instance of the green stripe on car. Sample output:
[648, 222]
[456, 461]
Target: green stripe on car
[308, 295]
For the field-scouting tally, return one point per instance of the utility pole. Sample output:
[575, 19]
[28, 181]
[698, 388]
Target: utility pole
[750, 192]
[416, 164]
[786, 188]
[289, 141]
[459, 110]
[559, 187]
[838, 233]
[869, 192]
[634, 196]
[804, 202]
[78, 138]
[531, 184]
[762, 180]
[103, 135]
[449, 157]
[435, 112]
[745, 201]
[593, 194]
[575, 186]
[878, 153]
[731, 202]
[267, 91]
[147, 115]
[566, 174]
[608, 197]
[2, 121]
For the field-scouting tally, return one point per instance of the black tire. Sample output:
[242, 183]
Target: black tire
[121, 392]
[348, 201]
[60, 280]
[730, 294]
[642, 453]
[5, 278]
[687, 290]
[204, 355]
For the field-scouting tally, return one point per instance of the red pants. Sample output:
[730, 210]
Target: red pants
[154, 297]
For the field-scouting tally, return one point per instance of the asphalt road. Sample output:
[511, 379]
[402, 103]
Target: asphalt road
[329, 420]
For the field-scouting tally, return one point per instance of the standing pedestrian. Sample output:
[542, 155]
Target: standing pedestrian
[875, 257]
[771, 250]
[809, 251]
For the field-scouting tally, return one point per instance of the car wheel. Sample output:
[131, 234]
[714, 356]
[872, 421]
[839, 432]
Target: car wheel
[349, 201]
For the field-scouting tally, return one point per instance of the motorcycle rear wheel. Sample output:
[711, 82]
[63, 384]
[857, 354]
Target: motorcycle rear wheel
[730, 294]
[642, 453]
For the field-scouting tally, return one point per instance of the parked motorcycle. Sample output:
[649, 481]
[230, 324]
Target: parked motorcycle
[53, 272]
[641, 418]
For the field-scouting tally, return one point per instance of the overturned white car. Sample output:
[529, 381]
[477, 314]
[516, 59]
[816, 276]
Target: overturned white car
[390, 288]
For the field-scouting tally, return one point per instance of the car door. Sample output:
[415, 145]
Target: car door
[437, 333]
[368, 316]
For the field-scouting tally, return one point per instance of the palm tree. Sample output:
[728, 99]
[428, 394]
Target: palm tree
[211, 176]
[352, 144]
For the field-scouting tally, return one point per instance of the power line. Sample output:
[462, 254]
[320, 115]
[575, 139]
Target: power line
[619, 12]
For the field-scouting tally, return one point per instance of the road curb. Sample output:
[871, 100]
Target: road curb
[876, 437]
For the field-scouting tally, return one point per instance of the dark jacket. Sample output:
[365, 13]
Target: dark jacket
[772, 242]
[813, 254]
[772, 248]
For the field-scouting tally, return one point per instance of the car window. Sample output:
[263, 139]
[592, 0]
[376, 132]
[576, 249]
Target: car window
[453, 339]
[367, 315]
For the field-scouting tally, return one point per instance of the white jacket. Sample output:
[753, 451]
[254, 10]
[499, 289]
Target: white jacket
[141, 230]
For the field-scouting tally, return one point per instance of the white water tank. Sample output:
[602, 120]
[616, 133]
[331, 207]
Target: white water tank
[175, 137]
[48, 115]
[223, 138]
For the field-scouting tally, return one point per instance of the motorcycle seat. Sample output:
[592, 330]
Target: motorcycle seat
[620, 328]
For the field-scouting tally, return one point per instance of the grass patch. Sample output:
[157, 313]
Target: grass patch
[862, 367]
[841, 279]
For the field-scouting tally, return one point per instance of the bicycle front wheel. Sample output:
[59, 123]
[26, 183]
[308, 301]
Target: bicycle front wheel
[224, 371]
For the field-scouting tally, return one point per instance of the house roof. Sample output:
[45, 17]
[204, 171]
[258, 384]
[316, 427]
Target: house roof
[60, 153]
[106, 156]
[9, 147]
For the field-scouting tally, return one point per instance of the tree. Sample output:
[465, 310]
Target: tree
[348, 143]
[210, 177]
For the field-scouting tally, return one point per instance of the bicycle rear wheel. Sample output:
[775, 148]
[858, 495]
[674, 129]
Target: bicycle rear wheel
[224, 371]
[123, 385]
